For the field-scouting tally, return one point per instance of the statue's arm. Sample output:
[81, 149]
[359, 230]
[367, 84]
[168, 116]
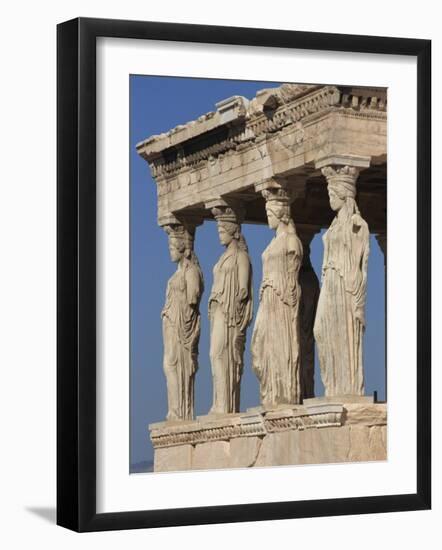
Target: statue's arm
[294, 245]
[361, 251]
[193, 286]
[294, 259]
[324, 257]
[243, 275]
[364, 259]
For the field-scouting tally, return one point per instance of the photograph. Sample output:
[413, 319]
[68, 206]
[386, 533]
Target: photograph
[220, 323]
[258, 253]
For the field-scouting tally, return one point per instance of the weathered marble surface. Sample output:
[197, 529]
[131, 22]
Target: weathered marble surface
[230, 311]
[340, 317]
[282, 131]
[275, 347]
[317, 433]
[181, 323]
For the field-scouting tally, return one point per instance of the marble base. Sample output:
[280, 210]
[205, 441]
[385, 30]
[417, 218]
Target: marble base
[322, 430]
[340, 399]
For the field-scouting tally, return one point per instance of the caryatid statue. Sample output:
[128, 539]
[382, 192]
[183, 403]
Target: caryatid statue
[276, 354]
[230, 311]
[340, 322]
[181, 323]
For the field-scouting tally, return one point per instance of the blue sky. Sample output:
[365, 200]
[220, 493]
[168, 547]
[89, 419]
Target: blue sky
[158, 104]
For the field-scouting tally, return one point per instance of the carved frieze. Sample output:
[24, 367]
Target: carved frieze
[247, 424]
[253, 122]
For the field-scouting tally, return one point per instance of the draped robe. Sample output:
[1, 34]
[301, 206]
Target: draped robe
[339, 323]
[181, 331]
[276, 354]
[229, 318]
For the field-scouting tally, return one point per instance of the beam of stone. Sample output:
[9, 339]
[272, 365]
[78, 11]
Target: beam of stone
[280, 133]
[230, 307]
[181, 320]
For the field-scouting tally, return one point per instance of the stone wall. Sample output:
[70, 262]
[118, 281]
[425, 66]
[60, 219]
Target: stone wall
[319, 431]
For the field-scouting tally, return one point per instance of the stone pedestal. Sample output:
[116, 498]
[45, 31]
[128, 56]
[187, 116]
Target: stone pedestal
[319, 431]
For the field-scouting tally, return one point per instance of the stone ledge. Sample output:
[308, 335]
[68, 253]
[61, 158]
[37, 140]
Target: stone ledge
[339, 399]
[206, 428]
[315, 413]
[318, 432]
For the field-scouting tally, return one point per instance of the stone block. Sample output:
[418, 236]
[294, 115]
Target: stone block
[338, 399]
[173, 459]
[275, 449]
[244, 451]
[366, 414]
[212, 454]
[320, 445]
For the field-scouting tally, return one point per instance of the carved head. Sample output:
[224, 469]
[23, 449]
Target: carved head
[277, 207]
[336, 201]
[177, 242]
[228, 231]
[176, 249]
[341, 185]
[229, 225]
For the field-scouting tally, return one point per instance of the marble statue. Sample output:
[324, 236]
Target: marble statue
[339, 324]
[230, 312]
[276, 357]
[181, 324]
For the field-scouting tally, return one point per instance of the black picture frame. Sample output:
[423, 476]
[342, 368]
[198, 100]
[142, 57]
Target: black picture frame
[76, 273]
